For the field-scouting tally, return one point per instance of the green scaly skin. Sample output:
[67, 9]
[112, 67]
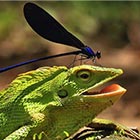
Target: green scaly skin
[49, 104]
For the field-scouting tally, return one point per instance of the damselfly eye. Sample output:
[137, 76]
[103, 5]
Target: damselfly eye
[98, 54]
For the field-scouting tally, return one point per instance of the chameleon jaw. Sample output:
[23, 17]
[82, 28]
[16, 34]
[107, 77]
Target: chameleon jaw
[111, 90]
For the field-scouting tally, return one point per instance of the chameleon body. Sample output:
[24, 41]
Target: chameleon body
[51, 103]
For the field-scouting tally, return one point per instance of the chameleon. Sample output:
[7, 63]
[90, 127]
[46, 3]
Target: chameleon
[52, 103]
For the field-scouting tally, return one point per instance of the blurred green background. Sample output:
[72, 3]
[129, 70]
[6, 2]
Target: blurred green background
[111, 27]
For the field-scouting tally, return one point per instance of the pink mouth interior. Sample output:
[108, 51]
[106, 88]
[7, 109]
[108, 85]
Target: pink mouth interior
[111, 88]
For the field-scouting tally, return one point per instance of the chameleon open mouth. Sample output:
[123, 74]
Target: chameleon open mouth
[113, 89]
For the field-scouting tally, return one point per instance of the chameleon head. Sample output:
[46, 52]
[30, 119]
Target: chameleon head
[76, 106]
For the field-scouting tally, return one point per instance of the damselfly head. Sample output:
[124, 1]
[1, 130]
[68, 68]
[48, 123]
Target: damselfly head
[98, 54]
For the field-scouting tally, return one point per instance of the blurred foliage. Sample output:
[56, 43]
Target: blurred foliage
[88, 19]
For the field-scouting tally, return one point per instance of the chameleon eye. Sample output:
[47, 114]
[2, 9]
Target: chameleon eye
[84, 75]
[62, 93]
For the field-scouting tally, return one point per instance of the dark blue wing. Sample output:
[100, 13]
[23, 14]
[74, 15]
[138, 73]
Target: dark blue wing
[47, 27]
